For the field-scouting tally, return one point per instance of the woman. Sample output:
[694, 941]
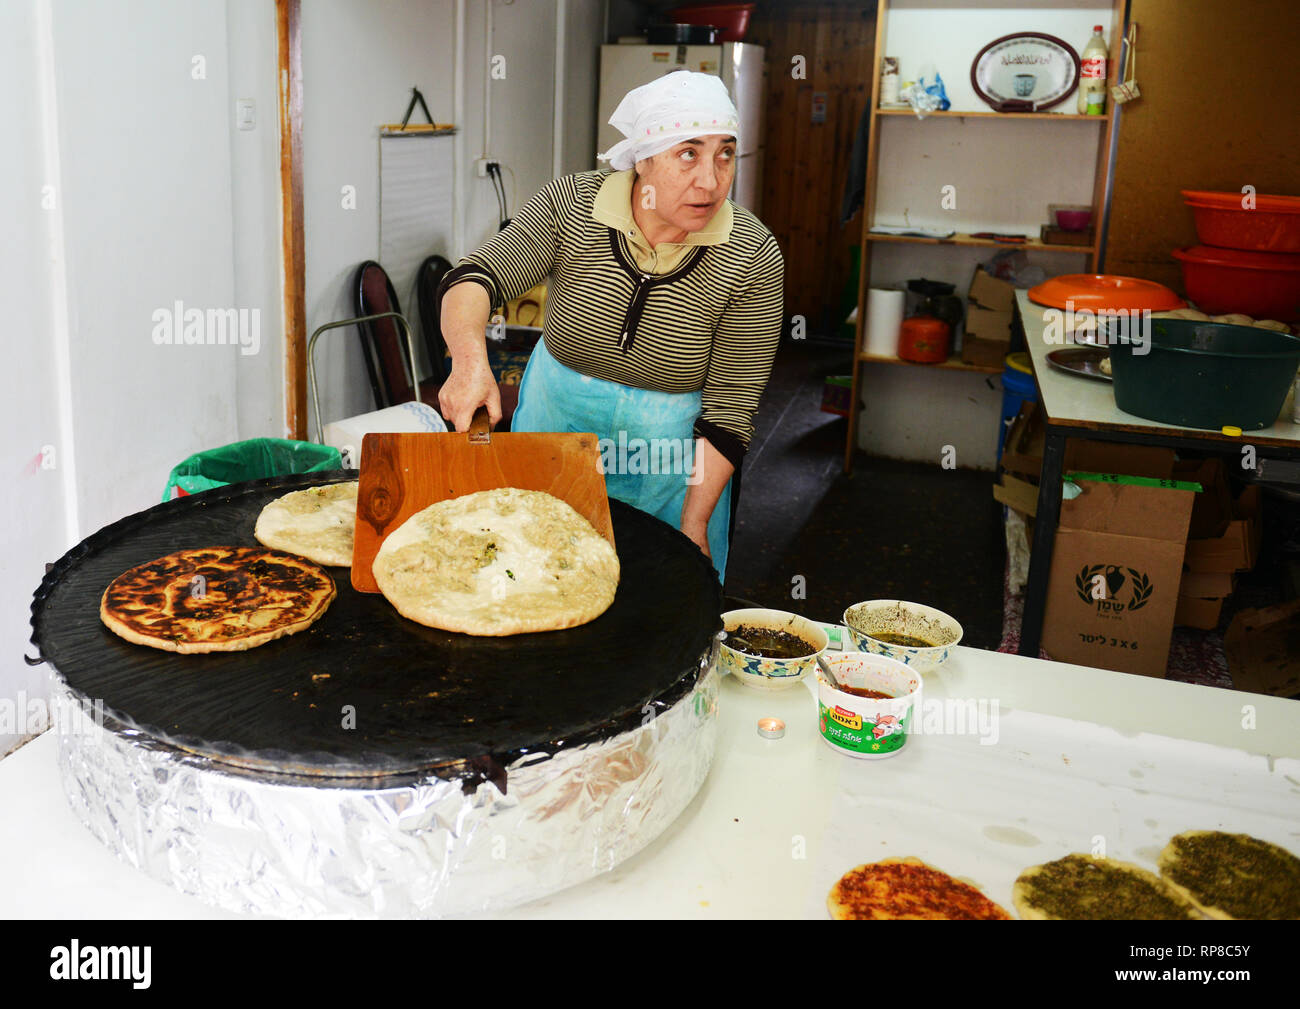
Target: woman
[663, 311]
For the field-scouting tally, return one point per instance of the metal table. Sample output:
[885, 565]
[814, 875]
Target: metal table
[1075, 407]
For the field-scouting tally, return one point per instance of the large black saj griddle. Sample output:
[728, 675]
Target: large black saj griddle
[421, 700]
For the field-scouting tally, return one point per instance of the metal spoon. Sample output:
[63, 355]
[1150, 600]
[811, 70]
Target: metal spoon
[826, 671]
[737, 642]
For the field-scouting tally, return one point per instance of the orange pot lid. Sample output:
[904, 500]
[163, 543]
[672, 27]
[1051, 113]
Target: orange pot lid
[1102, 291]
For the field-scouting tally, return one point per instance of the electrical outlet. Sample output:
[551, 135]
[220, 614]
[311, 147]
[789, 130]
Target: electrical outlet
[481, 166]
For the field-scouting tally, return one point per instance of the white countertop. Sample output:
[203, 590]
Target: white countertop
[1078, 401]
[1081, 754]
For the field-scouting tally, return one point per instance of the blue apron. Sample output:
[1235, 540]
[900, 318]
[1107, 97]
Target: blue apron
[646, 438]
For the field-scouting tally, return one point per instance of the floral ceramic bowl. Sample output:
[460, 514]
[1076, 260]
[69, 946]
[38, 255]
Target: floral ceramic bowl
[770, 673]
[895, 618]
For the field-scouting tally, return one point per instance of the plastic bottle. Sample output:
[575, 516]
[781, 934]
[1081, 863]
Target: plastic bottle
[1092, 75]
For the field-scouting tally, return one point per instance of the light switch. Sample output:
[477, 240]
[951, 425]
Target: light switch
[245, 115]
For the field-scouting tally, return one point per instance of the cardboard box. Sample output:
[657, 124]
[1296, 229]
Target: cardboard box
[1022, 451]
[1238, 548]
[1213, 507]
[991, 293]
[1202, 614]
[1207, 584]
[990, 308]
[1116, 566]
[1263, 649]
[984, 353]
[1019, 495]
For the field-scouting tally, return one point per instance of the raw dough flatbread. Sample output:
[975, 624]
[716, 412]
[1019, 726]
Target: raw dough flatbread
[1233, 875]
[907, 888]
[315, 523]
[498, 562]
[1091, 888]
[216, 599]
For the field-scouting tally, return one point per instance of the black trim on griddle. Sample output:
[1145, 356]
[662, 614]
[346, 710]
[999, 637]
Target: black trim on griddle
[69, 633]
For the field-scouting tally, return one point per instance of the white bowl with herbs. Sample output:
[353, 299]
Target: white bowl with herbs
[919, 636]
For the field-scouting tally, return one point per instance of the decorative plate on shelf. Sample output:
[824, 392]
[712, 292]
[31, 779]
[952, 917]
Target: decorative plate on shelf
[1025, 72]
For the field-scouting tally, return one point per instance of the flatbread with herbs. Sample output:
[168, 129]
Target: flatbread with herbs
[1098, 889]
[1233, 875]
[498, 562]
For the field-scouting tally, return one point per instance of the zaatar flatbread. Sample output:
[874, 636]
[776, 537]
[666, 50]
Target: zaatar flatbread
[1233, 875]
[907, 888]
[498, 562]
[216, 599]
[1097, 889]
[315, 523]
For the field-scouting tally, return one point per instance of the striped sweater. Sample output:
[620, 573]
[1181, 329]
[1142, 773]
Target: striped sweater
[711, 324]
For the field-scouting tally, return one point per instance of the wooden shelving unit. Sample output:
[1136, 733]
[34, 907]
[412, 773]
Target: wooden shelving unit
[1064, 117]
[964, 239]
[1091, 253]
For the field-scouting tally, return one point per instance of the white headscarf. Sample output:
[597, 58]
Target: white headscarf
[676, 107]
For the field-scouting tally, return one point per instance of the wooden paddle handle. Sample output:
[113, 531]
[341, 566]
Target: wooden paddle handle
[480, 430]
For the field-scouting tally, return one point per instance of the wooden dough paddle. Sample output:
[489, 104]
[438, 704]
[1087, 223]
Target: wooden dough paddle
[402, 474]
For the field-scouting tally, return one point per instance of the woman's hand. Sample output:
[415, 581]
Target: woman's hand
[470, 386]
[712, 471]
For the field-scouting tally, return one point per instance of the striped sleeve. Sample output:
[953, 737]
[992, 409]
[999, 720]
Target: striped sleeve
[744, 344]
[518, 257]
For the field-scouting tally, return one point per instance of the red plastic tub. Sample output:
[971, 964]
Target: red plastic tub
[1221, 220]
[733, 19]
[1263, 285]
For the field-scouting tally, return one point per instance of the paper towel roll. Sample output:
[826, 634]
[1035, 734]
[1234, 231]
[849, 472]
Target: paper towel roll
[884, 317]
[348, 435]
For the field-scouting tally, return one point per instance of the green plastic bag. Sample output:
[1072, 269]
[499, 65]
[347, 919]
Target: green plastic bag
[254, 459]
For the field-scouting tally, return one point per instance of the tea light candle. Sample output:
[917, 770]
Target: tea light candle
[771, 728]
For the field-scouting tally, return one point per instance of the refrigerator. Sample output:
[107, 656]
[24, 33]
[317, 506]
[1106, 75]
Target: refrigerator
[742, 69]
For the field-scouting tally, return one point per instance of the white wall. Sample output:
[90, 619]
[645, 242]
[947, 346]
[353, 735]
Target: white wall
[154, 199]
[584, 35]
[360, 61]
[35, 509]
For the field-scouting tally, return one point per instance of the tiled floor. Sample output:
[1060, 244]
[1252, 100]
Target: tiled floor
[894, 530]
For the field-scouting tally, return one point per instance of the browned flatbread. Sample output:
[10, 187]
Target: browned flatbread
[1097, 889]
[1233, 875]
[216, 599]
[907, 888]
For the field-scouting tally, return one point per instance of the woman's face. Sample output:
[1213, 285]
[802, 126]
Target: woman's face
[686, 184]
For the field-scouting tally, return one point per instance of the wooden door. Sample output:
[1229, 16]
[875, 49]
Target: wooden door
[825, 52]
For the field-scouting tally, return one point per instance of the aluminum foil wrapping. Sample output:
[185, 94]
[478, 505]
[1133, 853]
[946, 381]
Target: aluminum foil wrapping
[263, 843]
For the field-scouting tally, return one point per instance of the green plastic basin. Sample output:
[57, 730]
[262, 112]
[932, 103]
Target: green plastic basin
[1205, 374]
